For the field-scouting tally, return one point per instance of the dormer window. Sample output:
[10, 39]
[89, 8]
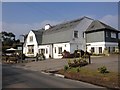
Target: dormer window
[83, 34]
[31, 38]
[75, 34]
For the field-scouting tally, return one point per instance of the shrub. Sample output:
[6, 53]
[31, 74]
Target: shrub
[66, 67]
[69, 62]
[103, 70]
[78, 69]
[79, 60]
[75, 61]
[84, 60]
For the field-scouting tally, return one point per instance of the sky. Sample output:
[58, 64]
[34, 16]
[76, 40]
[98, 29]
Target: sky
[21, 17]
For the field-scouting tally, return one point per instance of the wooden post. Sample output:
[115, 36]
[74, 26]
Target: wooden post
[89, 59]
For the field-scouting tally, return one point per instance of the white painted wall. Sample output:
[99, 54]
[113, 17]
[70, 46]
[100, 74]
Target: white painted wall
[65, 46]
[48, 47]
[27, 42]
[96, 45]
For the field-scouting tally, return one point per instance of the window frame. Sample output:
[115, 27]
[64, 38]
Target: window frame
[55, 49]
[77, 33]
[100, 50]
[92, 49]
[31, 49]
[106, 34]
[113, 35]
[118, 35]
[31, 38]
[59, 51]
[83, 34]
[46, 51]
[42, 51]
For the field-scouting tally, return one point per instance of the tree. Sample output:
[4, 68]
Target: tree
[11, 36]
[119, 45]
[8, 40]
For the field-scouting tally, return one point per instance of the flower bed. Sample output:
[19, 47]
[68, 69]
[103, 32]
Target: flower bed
[77, 63]
[109, 80]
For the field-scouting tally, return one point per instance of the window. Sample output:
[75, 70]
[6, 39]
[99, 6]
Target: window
[75, 34]
[59, 50]
[42, 51]
[107, 34]
[30, 49]
[77, 47]
[83, 35]
[109, 49]
[92, 50]
[31, 38]
[55, 49]
[119, 35]
[100, 49]
[46, 51]
[113, 35]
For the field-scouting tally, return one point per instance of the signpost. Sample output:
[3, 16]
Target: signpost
[88, 53]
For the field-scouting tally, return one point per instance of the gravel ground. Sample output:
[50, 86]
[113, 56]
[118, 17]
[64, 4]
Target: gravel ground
[111, 62]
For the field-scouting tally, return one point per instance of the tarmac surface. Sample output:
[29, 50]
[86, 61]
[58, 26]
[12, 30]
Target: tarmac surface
[15, 78]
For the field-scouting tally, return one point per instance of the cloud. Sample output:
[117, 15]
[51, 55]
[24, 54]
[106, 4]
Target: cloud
[19, 29]
[111, 20]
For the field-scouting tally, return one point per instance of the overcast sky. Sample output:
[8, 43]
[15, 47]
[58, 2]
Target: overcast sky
[21, 17]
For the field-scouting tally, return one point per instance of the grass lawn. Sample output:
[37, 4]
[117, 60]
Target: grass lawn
[109, 80]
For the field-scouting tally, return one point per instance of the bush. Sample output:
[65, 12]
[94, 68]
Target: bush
[78, 69]
[66, 67]
[75, 61]
[66, 54]
[103, 70]
[69, 62]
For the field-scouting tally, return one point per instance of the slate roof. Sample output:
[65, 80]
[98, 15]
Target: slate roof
[98, 25]
[48, 36]
[64, 26]
[62, 32]
[38, 34]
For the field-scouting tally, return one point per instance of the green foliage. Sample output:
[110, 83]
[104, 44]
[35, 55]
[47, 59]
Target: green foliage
[69, 61]
[79, 60]
[66, 67]
[8, 40]
[84, 60]
[75, 61]
[78, 69]
[103, 70]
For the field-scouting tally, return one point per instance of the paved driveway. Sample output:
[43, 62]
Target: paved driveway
[50, 64]
[111, 62]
